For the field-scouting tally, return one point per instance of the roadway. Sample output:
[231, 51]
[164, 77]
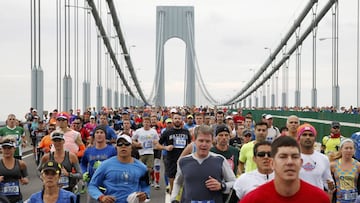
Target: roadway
[35, 184]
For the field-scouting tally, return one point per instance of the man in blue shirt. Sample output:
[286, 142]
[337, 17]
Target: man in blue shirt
[121, 177]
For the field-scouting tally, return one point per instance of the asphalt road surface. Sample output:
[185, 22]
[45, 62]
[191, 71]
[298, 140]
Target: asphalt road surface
[35, 185]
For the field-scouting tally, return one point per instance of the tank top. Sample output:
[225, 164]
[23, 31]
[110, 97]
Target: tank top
[66, 182]
[70, 141]
[10, 187]
[346, 183]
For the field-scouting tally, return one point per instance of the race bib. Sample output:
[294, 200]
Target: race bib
[64, 181]
[10, 188]
[348, 195]
[202, 201]
[179, 142]
[148, 144]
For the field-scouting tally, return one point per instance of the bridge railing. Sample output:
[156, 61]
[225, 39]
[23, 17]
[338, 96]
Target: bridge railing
[350, 123]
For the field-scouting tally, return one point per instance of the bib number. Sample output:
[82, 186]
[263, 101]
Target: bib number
[64, 181]
[179, 143]
[202, 201]
[148, 144]
[10, 188]
[348, 195]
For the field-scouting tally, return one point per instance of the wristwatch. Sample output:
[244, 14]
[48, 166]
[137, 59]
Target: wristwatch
[223, 186]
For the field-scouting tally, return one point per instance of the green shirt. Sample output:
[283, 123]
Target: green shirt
[231, 155]
[246, 156]
[13, 133]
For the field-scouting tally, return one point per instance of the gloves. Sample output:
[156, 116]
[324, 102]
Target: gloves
[86, 177]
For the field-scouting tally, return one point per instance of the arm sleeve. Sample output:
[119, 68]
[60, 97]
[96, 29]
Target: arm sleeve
[96, 182]
[178, 182]
[145, 183]
[239, 186]
[228, 175]
[84, 162]
[77, 174]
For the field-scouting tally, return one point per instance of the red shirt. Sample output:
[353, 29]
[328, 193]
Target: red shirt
[267, 193]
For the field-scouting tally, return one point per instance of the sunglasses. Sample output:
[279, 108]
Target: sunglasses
[51, 129]
[262, 154]
[336, 127]
[61, 119]
[120, 144]
[247, 135]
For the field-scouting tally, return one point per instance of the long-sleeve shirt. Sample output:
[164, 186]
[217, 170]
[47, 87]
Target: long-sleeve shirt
[119, 179]
[192, 173]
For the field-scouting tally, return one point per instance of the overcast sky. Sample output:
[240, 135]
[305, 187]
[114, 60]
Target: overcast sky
[230, 37]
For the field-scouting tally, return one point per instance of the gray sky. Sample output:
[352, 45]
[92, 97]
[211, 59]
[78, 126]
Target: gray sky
[230, 37]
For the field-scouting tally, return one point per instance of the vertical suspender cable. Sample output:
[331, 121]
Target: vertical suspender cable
[39, 62]
[57, 54]
[31, 35]
[34, 33]
[65, 32]
[89, 48]
[69, 39]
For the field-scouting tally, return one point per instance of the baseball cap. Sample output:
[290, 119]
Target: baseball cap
[169, 120]
[228, 117]
[335, 124]
[263, 115]
[189, 116]
[124, 137]
[52, 165]
[247, 132]
[57, 135]
[124, 112]
[91, 117]
[62, 115]
[9, 143]
[173, 110]
[306, 127]
[222, 128]
[34, 110]
[268, 116]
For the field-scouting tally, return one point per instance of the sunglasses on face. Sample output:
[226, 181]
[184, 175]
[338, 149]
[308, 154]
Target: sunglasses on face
[336, 127]
[120, 144]
[248, 135]
[262, 154]
[61, 119]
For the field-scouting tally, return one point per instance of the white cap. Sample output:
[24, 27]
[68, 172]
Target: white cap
[268, 116]
[125, 137]
[173, 110]
[228, 117]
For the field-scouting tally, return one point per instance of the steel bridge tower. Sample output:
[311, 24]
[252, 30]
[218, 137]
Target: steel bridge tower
[171, 22]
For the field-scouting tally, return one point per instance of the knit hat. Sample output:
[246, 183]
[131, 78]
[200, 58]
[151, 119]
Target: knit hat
[100, 127]
[221, 128]
[305, 127]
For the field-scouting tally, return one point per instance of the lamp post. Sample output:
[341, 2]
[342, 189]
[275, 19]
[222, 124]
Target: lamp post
[255, 93]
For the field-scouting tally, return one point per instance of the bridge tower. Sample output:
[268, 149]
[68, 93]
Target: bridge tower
[171, 22]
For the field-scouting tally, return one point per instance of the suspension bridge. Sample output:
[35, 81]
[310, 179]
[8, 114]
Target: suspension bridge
[92, 63]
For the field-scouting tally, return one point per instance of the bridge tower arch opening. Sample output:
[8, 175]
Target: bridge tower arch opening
[175, 22]
[175, 61]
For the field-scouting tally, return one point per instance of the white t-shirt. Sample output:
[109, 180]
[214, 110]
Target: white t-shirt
[146, 138]
[273, 133]
[316, 169]
[250, 181]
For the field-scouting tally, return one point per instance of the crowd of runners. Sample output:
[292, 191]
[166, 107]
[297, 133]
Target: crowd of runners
[210, 155]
